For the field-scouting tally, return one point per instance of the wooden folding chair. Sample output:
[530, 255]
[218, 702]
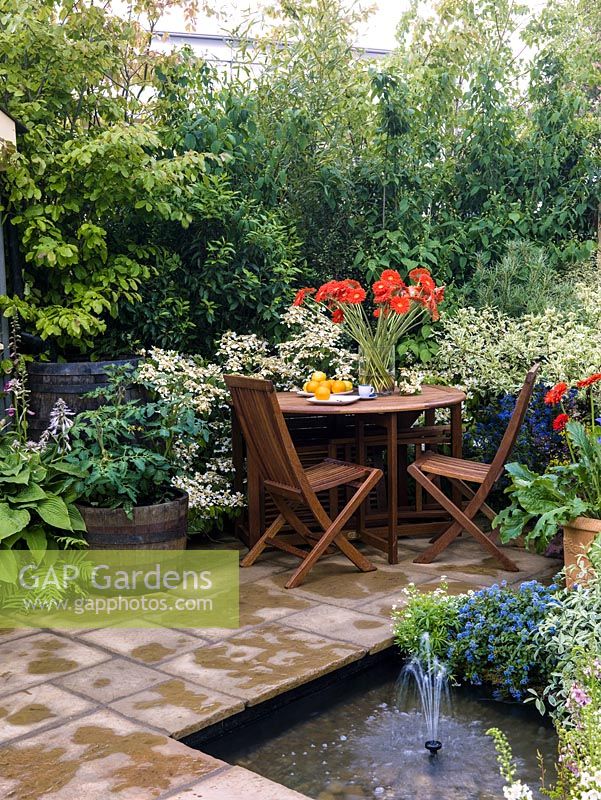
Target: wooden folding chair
[289, 485]
[429, 467]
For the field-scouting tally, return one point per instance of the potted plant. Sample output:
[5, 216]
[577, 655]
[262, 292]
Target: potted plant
[37, 483]
[567, 495]
[399, 308]
[124, 451]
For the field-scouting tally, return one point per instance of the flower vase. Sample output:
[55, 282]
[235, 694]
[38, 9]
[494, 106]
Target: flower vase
[377, 368]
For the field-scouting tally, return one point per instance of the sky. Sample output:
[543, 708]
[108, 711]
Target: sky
[377, 32]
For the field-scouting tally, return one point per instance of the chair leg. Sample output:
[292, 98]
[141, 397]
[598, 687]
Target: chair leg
[462, 521]
[469, 492]
[275, 527]
[332, 534]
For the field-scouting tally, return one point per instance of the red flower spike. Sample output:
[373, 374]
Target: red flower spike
[560, 421]
[556, 393]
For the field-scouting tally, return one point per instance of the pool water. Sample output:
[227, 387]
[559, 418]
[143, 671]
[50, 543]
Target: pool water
[352, 741]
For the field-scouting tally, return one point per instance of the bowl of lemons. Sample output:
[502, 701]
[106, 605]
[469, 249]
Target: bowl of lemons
[322, 388]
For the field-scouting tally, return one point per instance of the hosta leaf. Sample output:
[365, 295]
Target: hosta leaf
[36, 541]
[29, 495]
[12, 520]
[8, 566]
[54, 511]
[77, 523]
[20, 478]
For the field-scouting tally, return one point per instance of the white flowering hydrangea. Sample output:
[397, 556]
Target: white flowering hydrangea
[204, 468]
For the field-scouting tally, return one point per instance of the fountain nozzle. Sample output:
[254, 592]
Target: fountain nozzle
[433, 746]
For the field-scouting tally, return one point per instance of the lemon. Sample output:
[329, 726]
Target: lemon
[318, 376]
[339, 386]
[348, 386]
[311, 386]
[322, 392]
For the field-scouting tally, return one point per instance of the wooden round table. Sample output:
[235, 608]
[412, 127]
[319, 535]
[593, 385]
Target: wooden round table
[396, 414]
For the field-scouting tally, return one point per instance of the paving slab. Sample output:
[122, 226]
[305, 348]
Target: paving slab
[344, 624]
[99, 756]
[34, 659]
[111, 680]
[147, 645]
[38, 707]
[342, 584]
[237, 783]
[178, 707]
[263, 662]
[260, 603]
[6, 634]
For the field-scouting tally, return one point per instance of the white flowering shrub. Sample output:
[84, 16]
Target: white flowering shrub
[205, 469]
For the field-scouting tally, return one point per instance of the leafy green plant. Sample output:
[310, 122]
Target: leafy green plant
[564, 492]
[434, 613]
[507, 284]
[571, 625]
[124, 449]
[37, 483]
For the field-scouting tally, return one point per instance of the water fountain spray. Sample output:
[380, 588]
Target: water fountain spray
[429, 676]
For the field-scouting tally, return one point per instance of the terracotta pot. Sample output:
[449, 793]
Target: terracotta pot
[578, 535]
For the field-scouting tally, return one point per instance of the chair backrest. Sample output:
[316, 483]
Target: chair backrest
[265, 432]
[515, 423]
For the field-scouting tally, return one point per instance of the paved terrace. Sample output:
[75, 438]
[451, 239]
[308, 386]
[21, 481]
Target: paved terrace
[98, 714]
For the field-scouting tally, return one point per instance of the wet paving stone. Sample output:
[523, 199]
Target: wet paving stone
[263, 662]
[99, 756]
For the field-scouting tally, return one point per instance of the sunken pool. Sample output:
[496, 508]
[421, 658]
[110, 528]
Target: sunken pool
[351, 740]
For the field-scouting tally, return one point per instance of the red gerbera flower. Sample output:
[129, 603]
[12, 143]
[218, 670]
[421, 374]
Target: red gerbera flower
[391, 276]
[382, 291]
[560, 421]
[301, 294]
[423, 278]
[355, 295]
[338, 315]
[590, 380]
[556, 393]
[400, 304]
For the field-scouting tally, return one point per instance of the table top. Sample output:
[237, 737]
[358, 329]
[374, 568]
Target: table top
[429, 397]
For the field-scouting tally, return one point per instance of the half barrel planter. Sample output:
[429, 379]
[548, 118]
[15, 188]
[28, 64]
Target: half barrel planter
[163, 526]
[578, 536]
[50, 380]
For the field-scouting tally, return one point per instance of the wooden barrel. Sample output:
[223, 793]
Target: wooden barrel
[160, 527]
[49, 381]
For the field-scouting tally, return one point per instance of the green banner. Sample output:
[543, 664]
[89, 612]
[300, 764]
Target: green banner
[126, 588]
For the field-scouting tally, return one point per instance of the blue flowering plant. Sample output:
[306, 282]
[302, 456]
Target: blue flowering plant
[538, 444]
[493, 646]
[540, 504]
